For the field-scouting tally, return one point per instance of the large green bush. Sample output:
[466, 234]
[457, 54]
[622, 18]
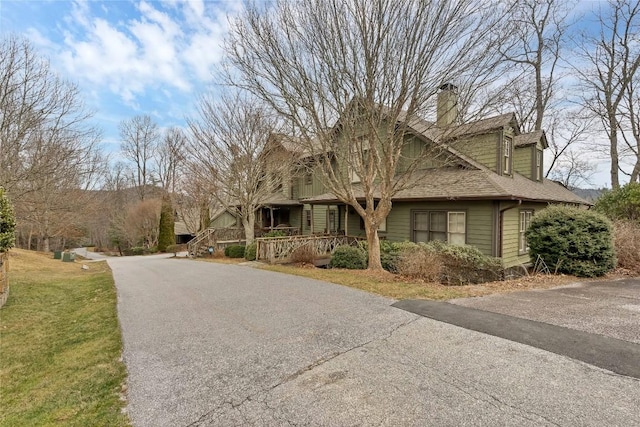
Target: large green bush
[353, 258]
[234, 251]
[622, 203]
[250, 252]
[572, 241]
[7, 223]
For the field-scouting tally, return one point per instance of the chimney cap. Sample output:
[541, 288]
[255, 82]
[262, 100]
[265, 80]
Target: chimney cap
[448, 86]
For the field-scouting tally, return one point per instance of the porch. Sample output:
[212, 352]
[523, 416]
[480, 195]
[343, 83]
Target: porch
[279, 249]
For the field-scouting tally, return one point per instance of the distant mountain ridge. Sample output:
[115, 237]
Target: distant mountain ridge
[589, 194]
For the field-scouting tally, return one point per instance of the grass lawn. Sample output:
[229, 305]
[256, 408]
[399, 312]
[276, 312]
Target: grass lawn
[398, 287]
[60, 345]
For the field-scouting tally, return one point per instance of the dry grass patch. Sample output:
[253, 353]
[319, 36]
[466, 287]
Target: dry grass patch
[61, 345]
[399, 287]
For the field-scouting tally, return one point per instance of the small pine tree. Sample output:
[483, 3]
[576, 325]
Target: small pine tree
[7, 223]
[166, 236]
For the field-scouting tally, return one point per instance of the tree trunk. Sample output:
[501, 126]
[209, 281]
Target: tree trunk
[373, 244]
[249, 222]
[613, 139]
[45, 243]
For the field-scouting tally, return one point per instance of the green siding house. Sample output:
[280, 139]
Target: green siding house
[484, 194]
[485, 197]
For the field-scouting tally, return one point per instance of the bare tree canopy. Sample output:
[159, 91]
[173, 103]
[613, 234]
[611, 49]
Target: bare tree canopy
[49, 154]
[613, 58]
[139, 142]
[232, 151]
[358, 69]
[38, 111]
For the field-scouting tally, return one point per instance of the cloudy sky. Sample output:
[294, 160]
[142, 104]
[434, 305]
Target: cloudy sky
[129, 57]
[134, 57]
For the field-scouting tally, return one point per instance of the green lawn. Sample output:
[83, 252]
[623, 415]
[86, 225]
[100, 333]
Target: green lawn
[60, 345]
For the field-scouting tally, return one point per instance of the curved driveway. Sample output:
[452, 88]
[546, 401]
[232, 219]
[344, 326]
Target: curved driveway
[212, 344]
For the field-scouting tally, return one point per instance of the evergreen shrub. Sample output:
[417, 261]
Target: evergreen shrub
[7, 223]
[572, 241]
[234, 251]
[351, 257]
[250, 251]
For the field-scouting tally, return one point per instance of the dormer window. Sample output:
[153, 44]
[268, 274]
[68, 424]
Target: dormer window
[506, 157]
[538, 169]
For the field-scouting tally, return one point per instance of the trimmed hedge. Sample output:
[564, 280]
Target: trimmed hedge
[353, 258]
[250, 252]
[572, 241]
[234, 251]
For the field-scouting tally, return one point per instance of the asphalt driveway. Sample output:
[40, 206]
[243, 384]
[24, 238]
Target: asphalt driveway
[211, 344]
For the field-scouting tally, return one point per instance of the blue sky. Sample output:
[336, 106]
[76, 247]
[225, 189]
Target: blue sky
[132, 57]
[128, 57]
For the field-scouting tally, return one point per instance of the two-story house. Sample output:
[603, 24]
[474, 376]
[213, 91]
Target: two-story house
[484, 195]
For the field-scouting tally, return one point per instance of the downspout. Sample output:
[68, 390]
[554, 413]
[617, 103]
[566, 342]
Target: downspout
[501, 226]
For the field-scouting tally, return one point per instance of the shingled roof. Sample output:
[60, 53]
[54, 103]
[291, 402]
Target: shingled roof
[530, 138]
[460, 184]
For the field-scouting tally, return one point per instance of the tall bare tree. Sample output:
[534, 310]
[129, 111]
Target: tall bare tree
[34, 102]
[139, 140]
[364, 69]
[169, 156]
[613, 58]
[231, 152]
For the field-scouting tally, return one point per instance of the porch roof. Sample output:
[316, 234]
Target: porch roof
[280, 200]
[456, 184]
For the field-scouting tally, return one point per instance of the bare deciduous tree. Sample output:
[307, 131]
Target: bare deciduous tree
[613, 56]
[139, 140]
[169, 156]
[230, 151]
[34, 103]
[362, 70]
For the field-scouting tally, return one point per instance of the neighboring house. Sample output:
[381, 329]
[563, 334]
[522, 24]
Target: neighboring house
[484, 195]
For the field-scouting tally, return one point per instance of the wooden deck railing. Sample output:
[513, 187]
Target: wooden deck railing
[279, 249]
[211, 237]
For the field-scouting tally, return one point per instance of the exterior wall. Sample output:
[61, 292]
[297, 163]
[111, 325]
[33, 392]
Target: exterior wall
[485, 149]
[224, 220]
[305, 190]
[319, 219]
[511, 230]
[414, 148]
[479, 227]
[523, 159]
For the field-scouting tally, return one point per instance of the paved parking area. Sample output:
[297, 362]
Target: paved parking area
[223, 345]
[609, 308]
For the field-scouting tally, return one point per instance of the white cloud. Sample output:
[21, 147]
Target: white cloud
[160, 48]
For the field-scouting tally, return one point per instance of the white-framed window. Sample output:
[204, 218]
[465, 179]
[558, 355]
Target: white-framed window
[446, 226]
[331, 220]
[538, 165]
[307, 218]
[506, 156]
[525, 222]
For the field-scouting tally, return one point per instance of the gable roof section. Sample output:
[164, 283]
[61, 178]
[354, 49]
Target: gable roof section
[531, 138]
[458, 184]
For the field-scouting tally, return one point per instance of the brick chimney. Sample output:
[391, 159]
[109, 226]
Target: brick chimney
[447, 109]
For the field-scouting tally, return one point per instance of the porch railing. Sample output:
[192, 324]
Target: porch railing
[279, 249]
[211, 236]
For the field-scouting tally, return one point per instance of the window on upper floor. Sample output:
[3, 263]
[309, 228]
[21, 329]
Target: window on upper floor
[538, 169]
[440, 225]
[308, 178]
[525, 222]
[506, 156]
